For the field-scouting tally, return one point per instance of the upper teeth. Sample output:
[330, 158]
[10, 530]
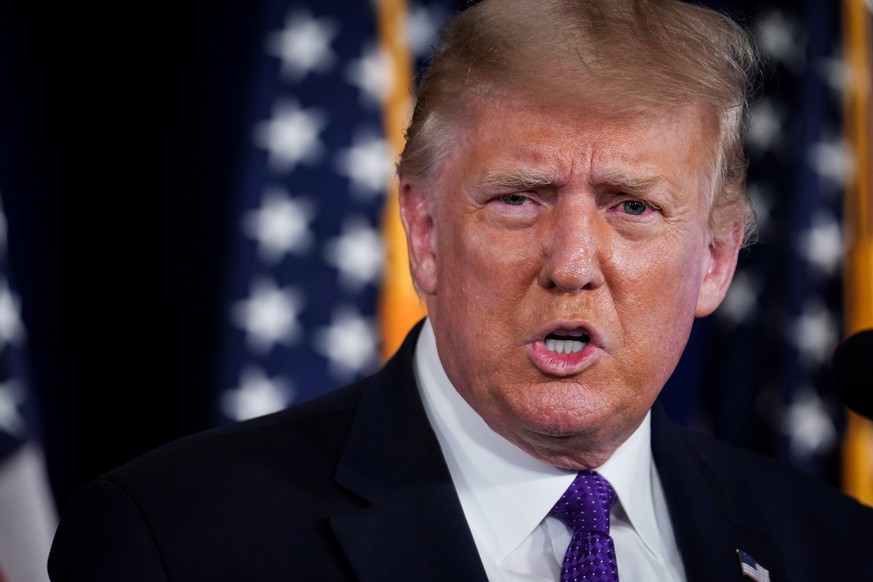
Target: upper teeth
[571, 332]
[568, 346]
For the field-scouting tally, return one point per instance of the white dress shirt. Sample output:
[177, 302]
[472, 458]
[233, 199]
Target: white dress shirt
[506, 494]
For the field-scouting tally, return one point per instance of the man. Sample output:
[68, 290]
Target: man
[572, 191]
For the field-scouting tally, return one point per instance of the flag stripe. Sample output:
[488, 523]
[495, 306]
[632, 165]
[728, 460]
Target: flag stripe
[858, 440]
[27, 516]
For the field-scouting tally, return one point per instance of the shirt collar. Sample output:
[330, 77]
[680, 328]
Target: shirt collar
[505, 492]
[630, 470]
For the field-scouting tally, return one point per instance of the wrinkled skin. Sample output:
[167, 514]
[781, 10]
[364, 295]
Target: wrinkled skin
[591, 227]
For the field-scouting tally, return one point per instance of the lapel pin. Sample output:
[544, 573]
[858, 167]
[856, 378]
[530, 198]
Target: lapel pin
[751, 568]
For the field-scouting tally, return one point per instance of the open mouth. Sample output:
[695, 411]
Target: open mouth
[567, 341]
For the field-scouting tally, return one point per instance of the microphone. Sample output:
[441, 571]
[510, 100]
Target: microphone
[852, 372]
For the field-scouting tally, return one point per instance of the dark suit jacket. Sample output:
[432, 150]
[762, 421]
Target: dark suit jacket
[353, 485]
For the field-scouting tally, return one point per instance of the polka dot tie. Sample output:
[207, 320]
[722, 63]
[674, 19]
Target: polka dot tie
[584, 508]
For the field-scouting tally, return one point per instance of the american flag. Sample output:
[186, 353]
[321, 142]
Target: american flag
[303, 288]
[303, 294]
[13, 383]
[751, 568]
[27, 509]
[759, 366]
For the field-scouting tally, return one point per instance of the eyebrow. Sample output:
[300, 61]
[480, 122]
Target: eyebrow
[619, 179]
[523, 179]
[631, 183]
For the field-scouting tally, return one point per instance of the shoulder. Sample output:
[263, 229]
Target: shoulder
[312, 432]
[254, 484]
[296, 449]
[757, 485]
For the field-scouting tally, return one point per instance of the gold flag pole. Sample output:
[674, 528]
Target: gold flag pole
[399, 304]
[858, 276]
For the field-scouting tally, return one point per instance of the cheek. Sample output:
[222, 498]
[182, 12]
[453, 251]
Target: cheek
[485, 279]
[656, 301]
[480, 258]
[663, 277]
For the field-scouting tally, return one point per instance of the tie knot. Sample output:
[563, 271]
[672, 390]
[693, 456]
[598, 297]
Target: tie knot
[585, 505]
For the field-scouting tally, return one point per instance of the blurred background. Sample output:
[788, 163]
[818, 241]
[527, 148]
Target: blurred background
[198, 227]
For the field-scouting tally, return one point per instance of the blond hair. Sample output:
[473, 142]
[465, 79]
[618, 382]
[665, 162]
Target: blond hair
[625, 54]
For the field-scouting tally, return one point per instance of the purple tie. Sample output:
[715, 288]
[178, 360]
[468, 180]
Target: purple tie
[584, 508]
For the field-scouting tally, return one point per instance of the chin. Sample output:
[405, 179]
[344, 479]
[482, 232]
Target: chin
[572, 427]
[573, 451]
[565, 408]
[547, 422]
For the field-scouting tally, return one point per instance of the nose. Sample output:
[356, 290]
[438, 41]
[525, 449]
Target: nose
[571, 247]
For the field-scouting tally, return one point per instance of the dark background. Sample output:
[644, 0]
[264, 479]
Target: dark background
[116, 133]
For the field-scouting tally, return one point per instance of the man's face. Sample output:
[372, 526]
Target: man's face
[563, 257]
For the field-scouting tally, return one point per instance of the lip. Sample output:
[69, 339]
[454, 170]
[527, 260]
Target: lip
[563, 365]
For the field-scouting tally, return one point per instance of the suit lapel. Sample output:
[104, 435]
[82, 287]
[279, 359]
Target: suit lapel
[413, 526]
[704, 517]
[414, 536]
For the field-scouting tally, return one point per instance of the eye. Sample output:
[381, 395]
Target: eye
[634, 207]
[513, 199]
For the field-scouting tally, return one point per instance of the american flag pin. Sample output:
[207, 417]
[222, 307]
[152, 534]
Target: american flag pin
[751, 568]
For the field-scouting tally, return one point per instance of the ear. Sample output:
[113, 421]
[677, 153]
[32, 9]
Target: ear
[416, 213]
[720, 262]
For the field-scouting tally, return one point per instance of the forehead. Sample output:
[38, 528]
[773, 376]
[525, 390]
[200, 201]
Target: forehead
[546, 142]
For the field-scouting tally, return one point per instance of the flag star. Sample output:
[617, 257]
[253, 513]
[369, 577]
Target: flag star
[837, 75]
[11, 328]
[11, 397]
[814, 333]
[831, 160]
[423, 25]
[280, 225]
[782, 38]
[291, 135]
[368, 163]
[740, 303]
[358, 253]
[303, 45]
[349, 343]
[765, 126]
[373, 74]
[808, 425]
[269, 315]
[822, 244]
[256, 395]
